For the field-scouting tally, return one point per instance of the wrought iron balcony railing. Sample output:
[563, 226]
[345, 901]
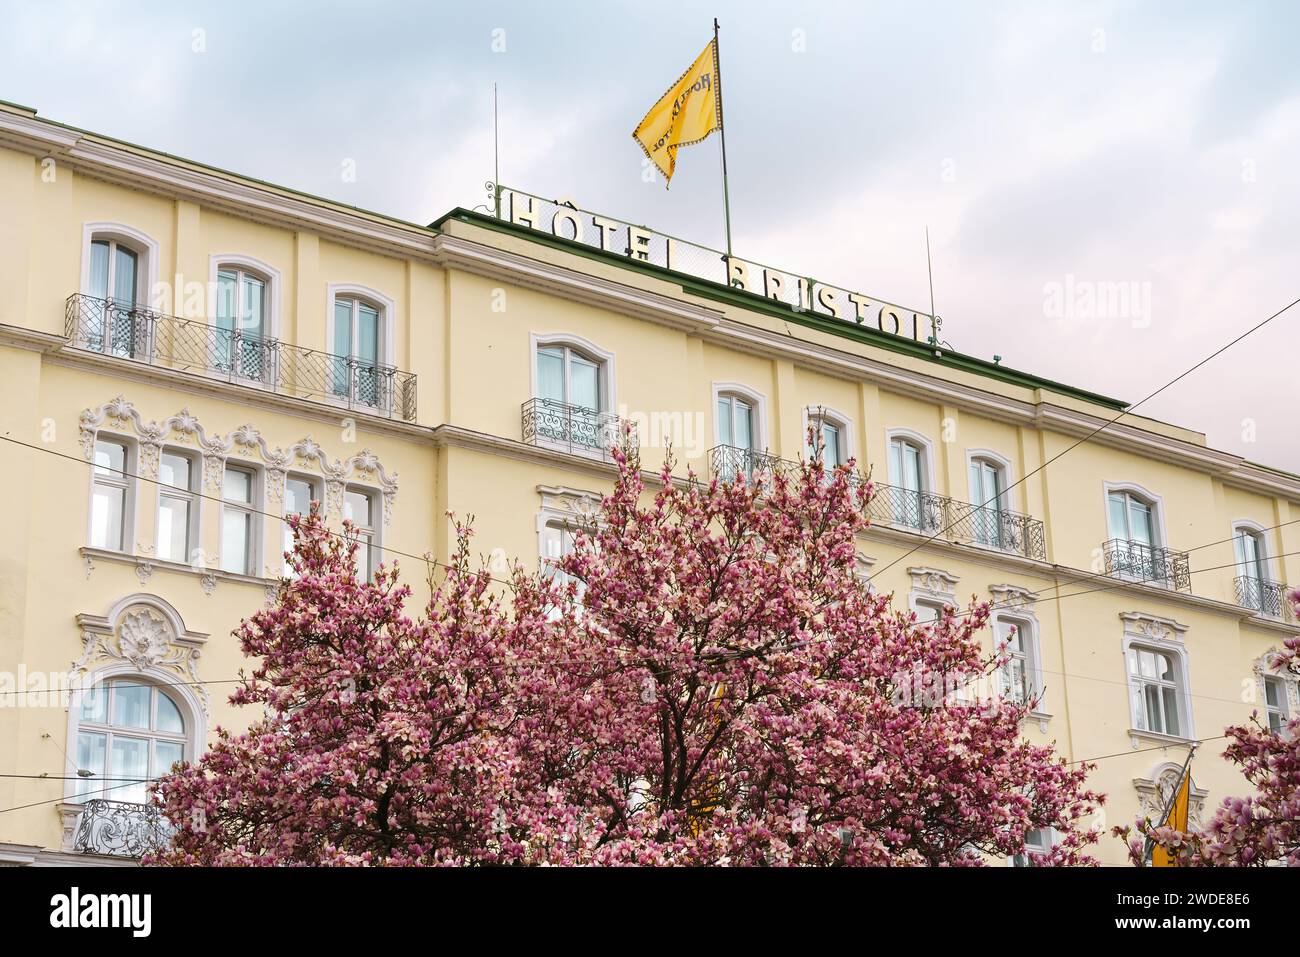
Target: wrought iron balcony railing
[728, 461]
[190, 345]
[1148, 564]
[573, 428]
[120, 829]
[958, 521]
[921, 512]
[1264, 596]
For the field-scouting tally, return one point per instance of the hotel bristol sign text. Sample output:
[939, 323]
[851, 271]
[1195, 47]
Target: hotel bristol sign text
[565, 221]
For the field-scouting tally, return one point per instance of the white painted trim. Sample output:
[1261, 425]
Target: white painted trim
[1008, 477]
[130, 506]
[142, 243]
[1025, 614]
[754, 398]
[387, 316]
[1156, 502]
[198, 467]
[603, 357]
[927, 452]
[1178, 650]
[1266, 553]
[848, 432]
[264, 271]
[257, 508]
[195, 718]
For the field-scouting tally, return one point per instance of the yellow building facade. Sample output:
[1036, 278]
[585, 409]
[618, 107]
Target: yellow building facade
[188, 355]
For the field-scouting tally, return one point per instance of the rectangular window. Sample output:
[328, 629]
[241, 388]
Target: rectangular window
[177, 508]
[1037, 842]
[1275, 703]
[237, 527]
[1154, 683]
[359, 509]
[299, 493]
[1017, 678]
[109, 502]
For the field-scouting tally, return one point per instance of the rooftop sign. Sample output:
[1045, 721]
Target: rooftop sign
[565, 221]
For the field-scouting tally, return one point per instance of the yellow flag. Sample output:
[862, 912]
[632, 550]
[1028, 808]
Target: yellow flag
[1177, 819]
[686, 114]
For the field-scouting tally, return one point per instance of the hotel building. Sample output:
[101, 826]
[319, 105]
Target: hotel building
[184, 350]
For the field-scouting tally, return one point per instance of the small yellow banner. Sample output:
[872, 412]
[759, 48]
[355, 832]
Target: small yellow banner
[1177, 819]
[686, 114]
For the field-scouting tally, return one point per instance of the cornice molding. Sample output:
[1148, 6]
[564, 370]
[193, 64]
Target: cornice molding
[456, 253]
[177, 179]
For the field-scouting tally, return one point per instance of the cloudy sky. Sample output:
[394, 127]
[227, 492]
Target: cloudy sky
[1059, 153]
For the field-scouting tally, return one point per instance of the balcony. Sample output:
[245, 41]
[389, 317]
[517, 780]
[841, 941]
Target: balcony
[1264, 596]
[958, 521]
[120, 829]
[922, 512]
[1147, 564]
[141, 335]
[548, 423]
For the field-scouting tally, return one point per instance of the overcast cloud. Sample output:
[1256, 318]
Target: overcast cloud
[1048, 148]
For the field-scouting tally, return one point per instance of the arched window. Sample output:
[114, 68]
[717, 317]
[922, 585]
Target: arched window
[909, 470]
[572, 394]
[832, 432]
[988, 484]
[116, 274]
[129, 732]
[1136, 540]
[242, 316]
[360, 346]
[1254, 587]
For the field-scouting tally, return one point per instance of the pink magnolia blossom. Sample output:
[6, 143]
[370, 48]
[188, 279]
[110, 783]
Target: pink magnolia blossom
[704, 680]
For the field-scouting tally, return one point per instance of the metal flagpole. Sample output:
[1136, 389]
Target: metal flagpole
[1150, 846]
[496, 156]
[722, 129]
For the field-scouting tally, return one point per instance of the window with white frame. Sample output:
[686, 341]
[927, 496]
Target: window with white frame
[128, 733]
[572, 396]
[737, 421]
[907, 472]
[1018, 676]
[242, 310]
[1038, 842]
[1252, 570]
[1133, 523]
[988, 483]
[1157, 689]
[299, 492]
[1275, 703]
[557, 541]
[111, 498]
[115, 287]
[358, 348]
[238, 525]
[831, 432]
[178, 510]
[359, 508]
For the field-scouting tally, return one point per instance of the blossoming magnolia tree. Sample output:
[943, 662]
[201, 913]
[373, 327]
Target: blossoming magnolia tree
[704, 680]
[1261, 829]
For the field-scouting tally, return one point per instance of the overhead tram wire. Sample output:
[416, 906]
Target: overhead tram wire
[433, 562]
[1101, 428]
[428, 560]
